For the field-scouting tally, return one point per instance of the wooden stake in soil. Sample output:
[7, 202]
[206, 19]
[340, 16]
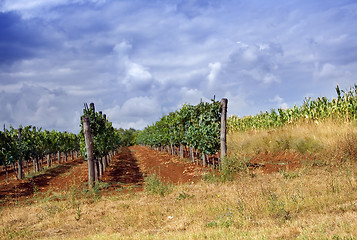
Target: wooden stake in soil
[20, 173]
[89, 148]
[224, 104]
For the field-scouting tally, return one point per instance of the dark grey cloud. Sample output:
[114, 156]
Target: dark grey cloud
[20, 39]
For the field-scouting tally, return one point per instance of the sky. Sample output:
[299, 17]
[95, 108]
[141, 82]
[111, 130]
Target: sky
[138, 60]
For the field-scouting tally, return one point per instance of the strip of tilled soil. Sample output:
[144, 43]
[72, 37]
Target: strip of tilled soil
[126, 169]
[169, 168]
[57, 178]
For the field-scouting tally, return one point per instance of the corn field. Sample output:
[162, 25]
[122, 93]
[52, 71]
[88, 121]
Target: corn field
[344, 107]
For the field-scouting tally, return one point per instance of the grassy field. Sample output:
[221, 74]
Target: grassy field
[316, 201]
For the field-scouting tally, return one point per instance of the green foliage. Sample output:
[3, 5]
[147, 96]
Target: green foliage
[194, 126]
[34, 142]
[344, 108]
[289, 175]
[127, 137]
[277, 208]
[105, 137]
[223, 220]
[183, 195]
[154, 185]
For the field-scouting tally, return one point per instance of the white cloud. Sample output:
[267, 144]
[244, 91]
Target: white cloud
[250, 55]
[141, 107]
[214, 71]
[34, 8]
[136, 112]
[137, 72]
[279, 101]
[138, 125]
[270, 78]
[122, 48]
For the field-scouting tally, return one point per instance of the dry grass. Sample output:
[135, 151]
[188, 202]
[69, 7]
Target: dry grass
[320, 203]
[330, 140]
[317, 203]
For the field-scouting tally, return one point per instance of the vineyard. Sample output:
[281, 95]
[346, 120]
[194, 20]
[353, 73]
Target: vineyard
[99, 141]
[179, 181]
[33, 144]
[192, 132]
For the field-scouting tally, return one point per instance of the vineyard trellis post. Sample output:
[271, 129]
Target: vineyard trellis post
[224, 103]
[89, 148]
[20, 173]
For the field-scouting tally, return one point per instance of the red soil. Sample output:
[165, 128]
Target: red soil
[126, 169]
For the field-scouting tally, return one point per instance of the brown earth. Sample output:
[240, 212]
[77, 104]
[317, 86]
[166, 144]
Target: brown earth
[273, 162]
[126, 171]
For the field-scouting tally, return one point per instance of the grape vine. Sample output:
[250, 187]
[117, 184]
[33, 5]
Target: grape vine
[197, 127]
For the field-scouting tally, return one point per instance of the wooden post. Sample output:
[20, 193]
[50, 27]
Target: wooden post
[96, 170]
[191, 154]
[89, 149]
[224, 103]
[34, 165]
[48, 160]
[20, 173]
[37, 163]
[204, 159]
[101, 167]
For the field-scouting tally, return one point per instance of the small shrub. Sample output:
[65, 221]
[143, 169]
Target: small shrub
[277, 208]
[233, 165]
[154, 185]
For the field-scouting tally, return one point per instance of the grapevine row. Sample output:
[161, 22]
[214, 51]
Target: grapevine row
[99, 140]
[196, 128]
[31, 143]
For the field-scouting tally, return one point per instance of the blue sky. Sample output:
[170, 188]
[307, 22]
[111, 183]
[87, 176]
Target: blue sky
[138, 59]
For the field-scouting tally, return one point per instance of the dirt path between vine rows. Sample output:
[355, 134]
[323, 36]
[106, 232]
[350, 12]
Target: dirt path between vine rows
[126, 171]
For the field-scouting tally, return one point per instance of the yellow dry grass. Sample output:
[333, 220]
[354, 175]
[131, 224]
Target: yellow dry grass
[320, 203]
[317, 203]
[330, 140]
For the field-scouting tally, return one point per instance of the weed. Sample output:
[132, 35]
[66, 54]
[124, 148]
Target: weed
[276, 208]
[184, 195]
[154, 185]
[334, 185]
[8, 233]
[230, 167]
[337, 237]
[78, 213]
[223, 220]
[289, 175]
[212, 177]
[306, 144]
[35, 190]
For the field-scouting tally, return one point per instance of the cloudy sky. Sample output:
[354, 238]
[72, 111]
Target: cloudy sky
[139, 59]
